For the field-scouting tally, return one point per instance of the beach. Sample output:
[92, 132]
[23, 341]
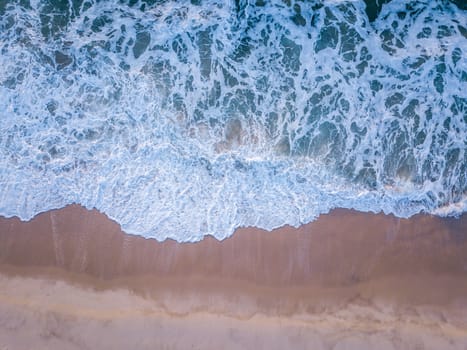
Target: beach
[242, 174]
[71, 279]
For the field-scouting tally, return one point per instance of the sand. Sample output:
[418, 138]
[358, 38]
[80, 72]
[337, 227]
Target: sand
[71, 279]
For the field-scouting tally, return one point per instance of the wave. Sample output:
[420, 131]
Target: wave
[181, 119]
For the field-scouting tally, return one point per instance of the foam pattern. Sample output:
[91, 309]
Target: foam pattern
[181, 119]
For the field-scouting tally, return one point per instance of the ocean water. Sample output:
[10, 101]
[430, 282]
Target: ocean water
[181, 119]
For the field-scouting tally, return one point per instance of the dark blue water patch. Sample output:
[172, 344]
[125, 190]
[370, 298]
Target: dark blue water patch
[373, 8]
[462, 4]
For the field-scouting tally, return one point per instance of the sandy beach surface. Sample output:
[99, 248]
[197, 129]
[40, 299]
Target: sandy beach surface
[71, 279]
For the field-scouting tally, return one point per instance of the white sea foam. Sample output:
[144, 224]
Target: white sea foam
[181, 120]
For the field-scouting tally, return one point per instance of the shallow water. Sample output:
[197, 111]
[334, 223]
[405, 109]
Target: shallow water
[181, 119]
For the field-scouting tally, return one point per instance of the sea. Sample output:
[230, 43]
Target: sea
[180, 119]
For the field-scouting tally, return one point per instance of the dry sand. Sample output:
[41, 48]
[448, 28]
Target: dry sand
[71, 279]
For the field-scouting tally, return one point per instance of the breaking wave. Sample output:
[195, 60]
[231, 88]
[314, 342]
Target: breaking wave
[181, 119]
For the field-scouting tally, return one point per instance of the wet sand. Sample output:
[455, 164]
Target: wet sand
[71, 279]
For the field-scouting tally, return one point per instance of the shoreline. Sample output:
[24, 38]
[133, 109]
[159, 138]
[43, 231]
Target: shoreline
[365, 279]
